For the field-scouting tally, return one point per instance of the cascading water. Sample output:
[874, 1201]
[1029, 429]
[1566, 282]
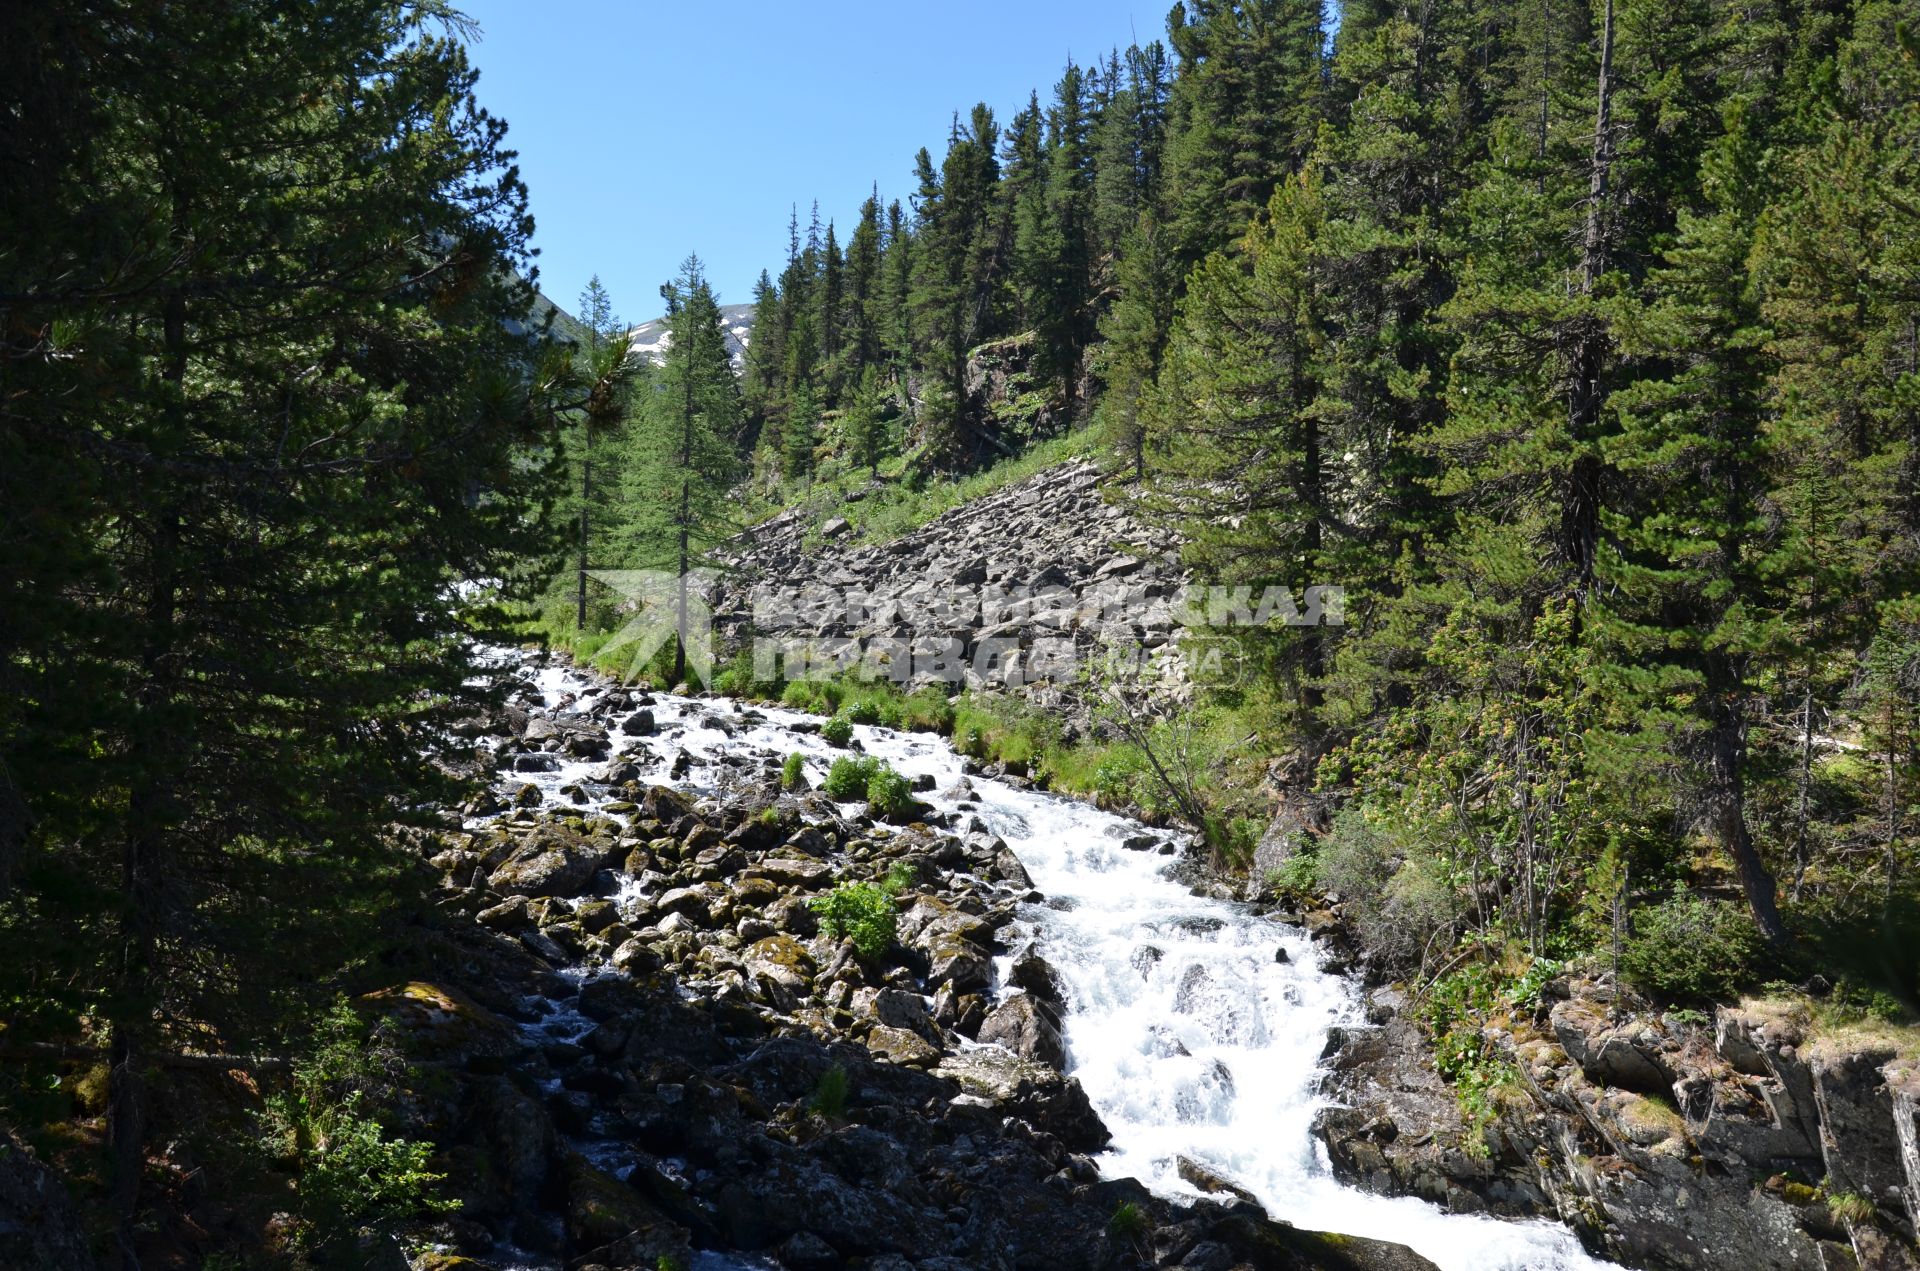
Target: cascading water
[1190, 1036]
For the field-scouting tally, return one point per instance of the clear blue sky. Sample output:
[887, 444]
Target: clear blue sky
[649, 130]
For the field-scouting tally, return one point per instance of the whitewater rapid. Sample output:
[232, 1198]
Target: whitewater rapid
[1190, 1036]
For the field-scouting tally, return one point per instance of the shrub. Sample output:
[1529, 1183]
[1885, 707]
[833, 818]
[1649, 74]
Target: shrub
[1686, 948]
[889, 794]
[1128, 1222]
[863, 711]
[819, 696]
[848, 778]
[860, 912]
[837, 731]
[351, 1173]
[900, 876]
[830, 1094]
[793, 773]
[1394, 889]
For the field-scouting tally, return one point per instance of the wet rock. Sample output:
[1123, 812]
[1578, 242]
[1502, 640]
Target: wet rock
[508, 915]
[788, 871]
[1210, 1180]
[607, 1218]
[638, 724]
[439, 1024]
[636, 957]
[1037, 976]
[782, 965]
[896, 1009]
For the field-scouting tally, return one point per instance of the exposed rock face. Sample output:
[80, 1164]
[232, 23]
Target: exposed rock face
[1662, 1144]
[1030, 578]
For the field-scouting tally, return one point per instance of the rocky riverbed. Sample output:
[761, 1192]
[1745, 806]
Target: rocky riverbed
[651, 1050]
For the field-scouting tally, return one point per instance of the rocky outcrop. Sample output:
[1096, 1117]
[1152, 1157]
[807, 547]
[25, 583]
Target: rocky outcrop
[1664, 1144]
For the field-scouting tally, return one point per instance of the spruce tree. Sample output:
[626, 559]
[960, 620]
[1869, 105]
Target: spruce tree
[682, 462]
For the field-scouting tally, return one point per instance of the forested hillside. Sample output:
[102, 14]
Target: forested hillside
[1577, 342]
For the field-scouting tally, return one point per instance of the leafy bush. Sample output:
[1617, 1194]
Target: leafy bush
[1690, 949]
[1455, 1009]
[793, 773]
[900, 876]
[889, 794]
[351, 1174]
[863, 711]
[819, 696]
[1397, 899]
[849, 776]
[860, 912]
[837, 731]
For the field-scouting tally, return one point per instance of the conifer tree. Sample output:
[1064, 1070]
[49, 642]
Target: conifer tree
[288, 249]
[682, 462]
[1695, 601]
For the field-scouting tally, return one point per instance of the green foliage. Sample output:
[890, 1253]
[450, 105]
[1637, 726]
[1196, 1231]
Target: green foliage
[837, 731]
[849, 777]
[793, 773]
[1851, 1208]
[351, 1173]
[1128, 1222]
[861, 912]
[228, 636]
[900, 876]
[1455, 1012]
[829, 1098]
[889, 795]
[1689, 949]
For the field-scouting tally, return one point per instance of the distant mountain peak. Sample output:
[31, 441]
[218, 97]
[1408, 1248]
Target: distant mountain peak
[652, 339]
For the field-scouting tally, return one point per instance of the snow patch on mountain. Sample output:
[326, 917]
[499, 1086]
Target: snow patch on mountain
[651, 340]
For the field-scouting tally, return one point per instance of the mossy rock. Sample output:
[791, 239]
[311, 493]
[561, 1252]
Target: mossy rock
[440, 1025]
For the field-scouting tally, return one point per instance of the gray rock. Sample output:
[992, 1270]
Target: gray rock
[39, 1225]
[1027, 1028]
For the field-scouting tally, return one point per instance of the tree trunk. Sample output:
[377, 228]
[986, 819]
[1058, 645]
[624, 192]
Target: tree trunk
[1587, 344]
[1726, 803]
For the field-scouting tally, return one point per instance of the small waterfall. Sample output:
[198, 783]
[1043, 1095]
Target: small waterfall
[1191, 1037]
